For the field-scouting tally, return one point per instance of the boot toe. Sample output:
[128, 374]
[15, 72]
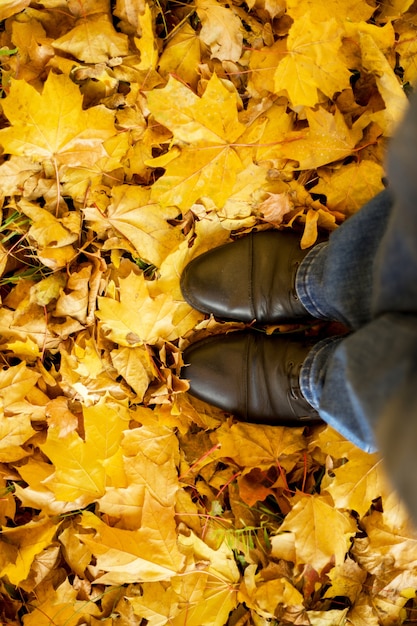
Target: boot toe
[251, 279]
[218, 282]
[250, 375]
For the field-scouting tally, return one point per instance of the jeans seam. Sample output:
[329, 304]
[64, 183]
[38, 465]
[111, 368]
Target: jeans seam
[303, 280]
[307, 368]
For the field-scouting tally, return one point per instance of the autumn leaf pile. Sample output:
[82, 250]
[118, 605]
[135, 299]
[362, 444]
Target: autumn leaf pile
[135, 135]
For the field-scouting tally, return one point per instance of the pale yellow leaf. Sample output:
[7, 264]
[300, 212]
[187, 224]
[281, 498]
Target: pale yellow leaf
[221, 30]
[388, 84]
[93, 40]
[144, 555]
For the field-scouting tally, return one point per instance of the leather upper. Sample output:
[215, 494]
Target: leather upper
[250, 279]
[252, 375]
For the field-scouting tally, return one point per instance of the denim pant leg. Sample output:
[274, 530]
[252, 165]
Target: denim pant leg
[352, 380]
[335, 280]
[366, 277]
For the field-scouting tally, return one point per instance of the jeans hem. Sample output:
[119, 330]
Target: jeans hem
[310, 383]
[305, 280]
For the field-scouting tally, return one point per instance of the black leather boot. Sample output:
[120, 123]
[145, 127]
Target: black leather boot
[252, 376]
[250, 279]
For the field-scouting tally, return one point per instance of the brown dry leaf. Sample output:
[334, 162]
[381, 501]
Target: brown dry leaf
[275, 207]
[253, 446]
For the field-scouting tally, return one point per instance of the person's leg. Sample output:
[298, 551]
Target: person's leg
[336, 279]
[351, 380]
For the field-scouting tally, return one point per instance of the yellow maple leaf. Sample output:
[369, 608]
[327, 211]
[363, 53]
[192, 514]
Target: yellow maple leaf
[149, 458]
[93, 40]
[394, 8]
[392, 536]
[349, 188]
[144, 555]
[355, 11]
[313, 62]
[265, 596]
[10, 7]
[347, 580]
[60, 606]
[136, 367]
[327, 139]
[146, 43]
[53, 125]
[137, 317]
[143, 222]
[181, 56]
[250, 446]
[204, 162]
[389, 86]
[263, 63]
[80, 464]
[406, 47]
[209, 120]
[358, 482]
[322, 533]
[36, 494]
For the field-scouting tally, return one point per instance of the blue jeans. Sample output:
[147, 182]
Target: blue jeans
[366, 278]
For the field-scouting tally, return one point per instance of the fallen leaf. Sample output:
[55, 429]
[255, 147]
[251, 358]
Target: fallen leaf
[29, 539]
[221, 30]
[147, 554]
[302, 72]
[53, 125]
[93, 40]
[322, 533]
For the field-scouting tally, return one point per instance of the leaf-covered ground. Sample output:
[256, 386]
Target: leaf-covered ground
[136, 135]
